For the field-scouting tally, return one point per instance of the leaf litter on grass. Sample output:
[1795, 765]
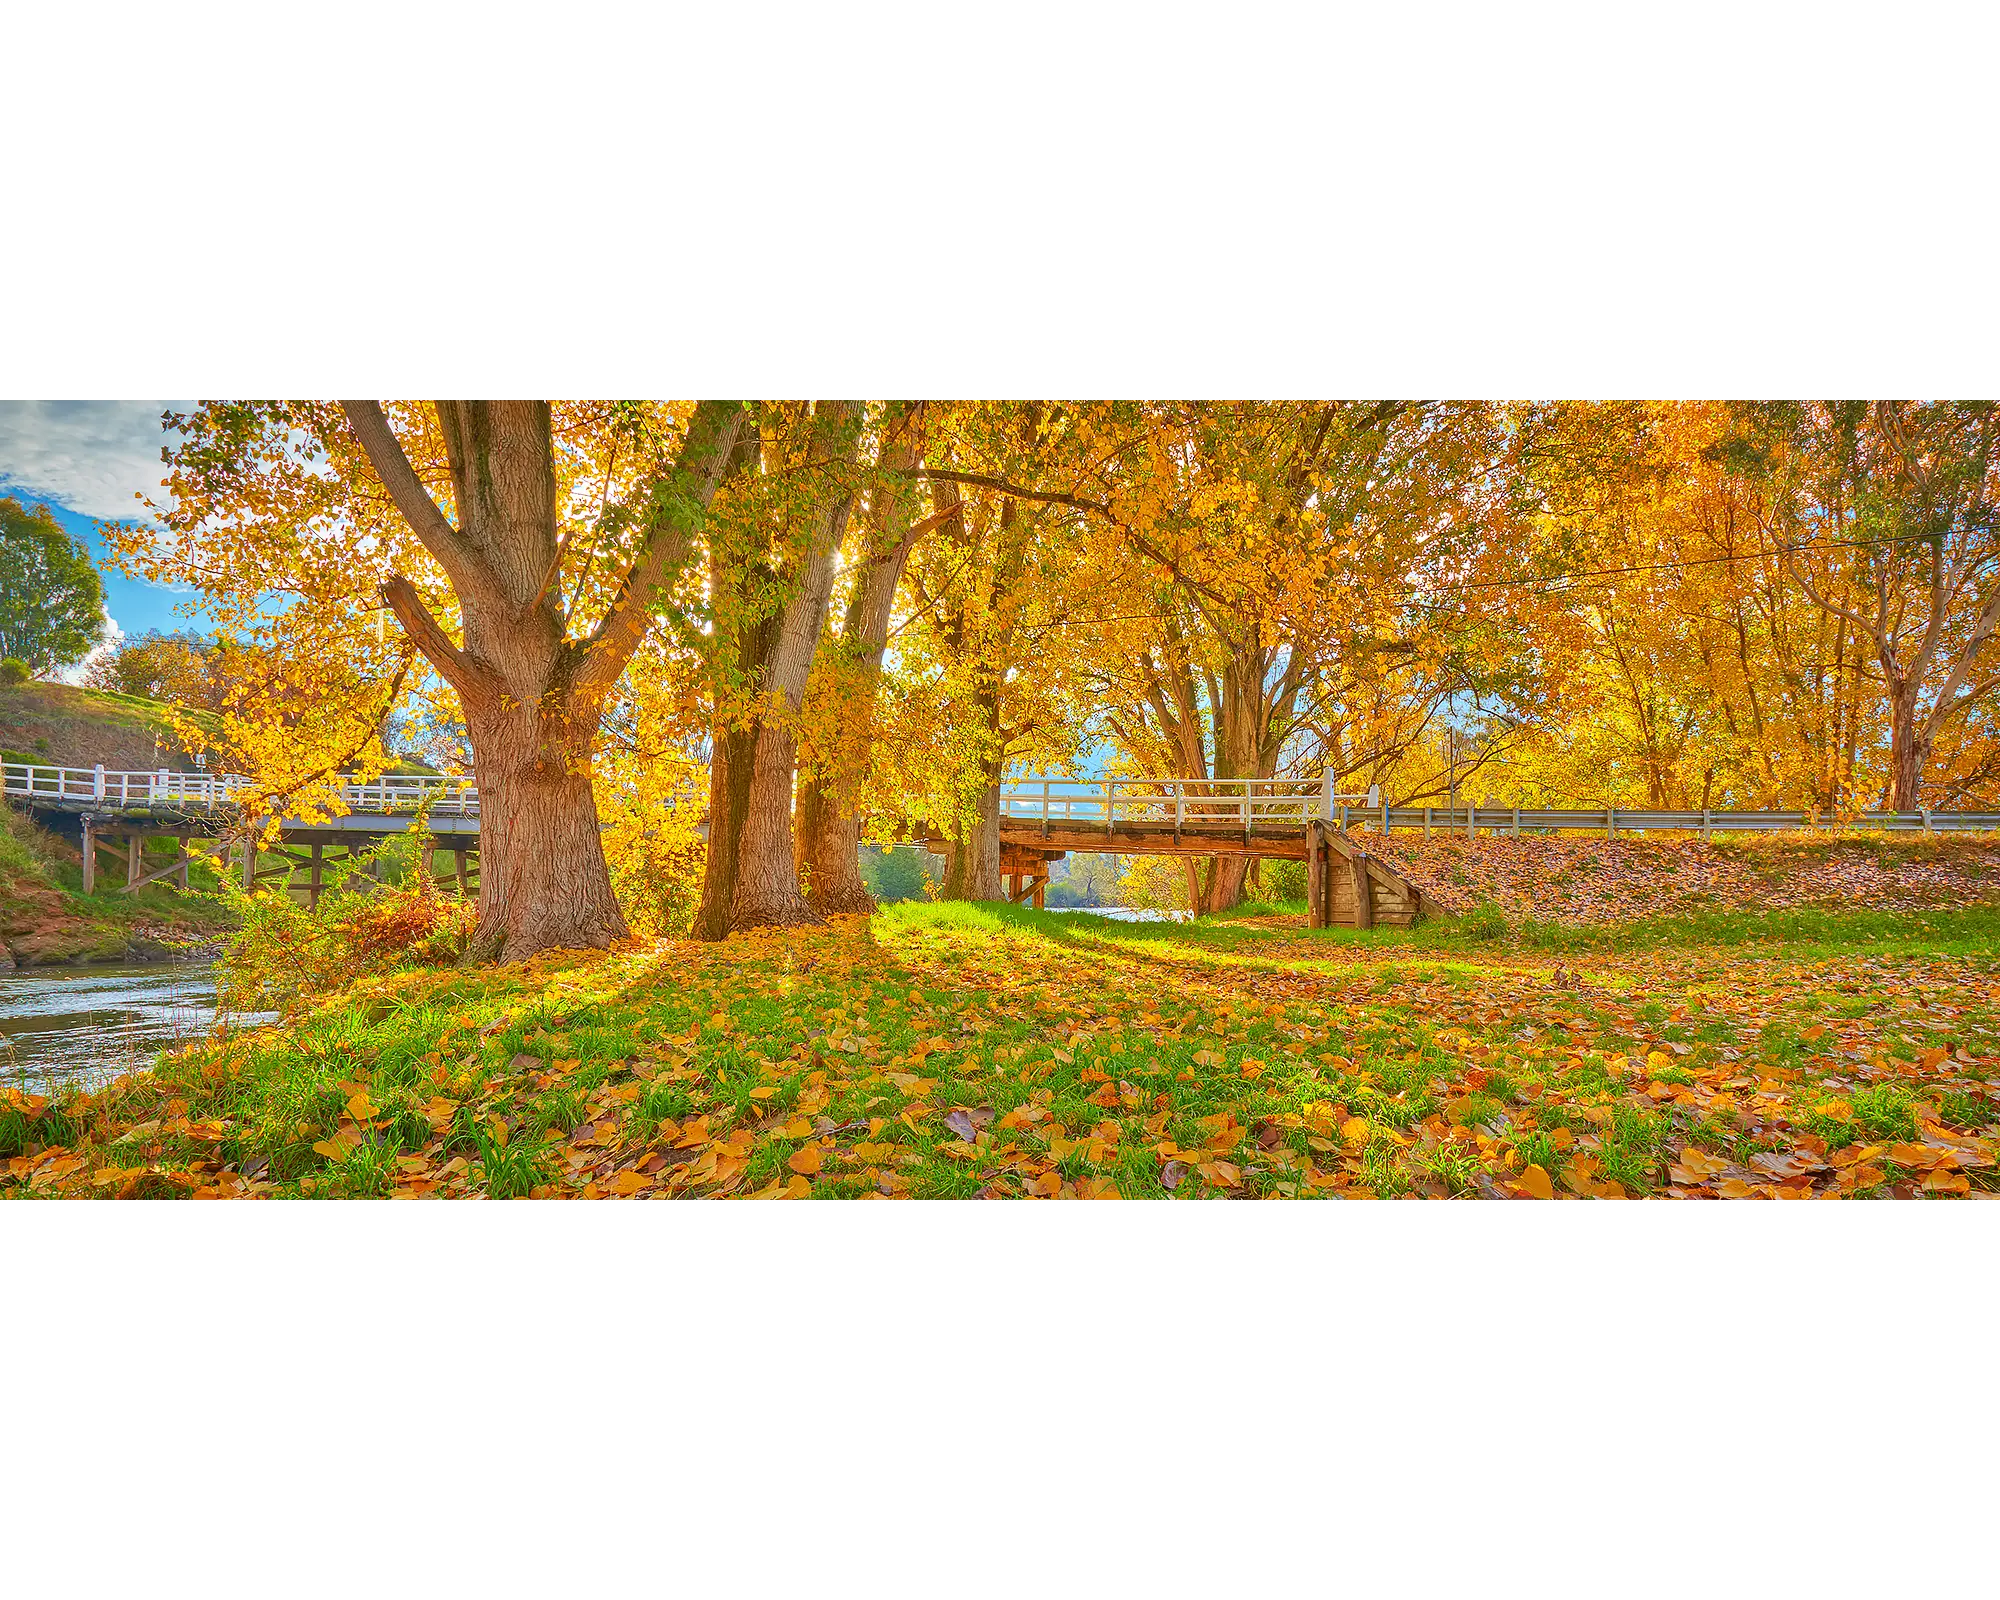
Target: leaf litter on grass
[957, 1052]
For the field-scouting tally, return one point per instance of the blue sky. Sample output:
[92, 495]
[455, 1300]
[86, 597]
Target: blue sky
[85, 459]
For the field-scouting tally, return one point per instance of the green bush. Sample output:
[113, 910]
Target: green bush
[894, 872]
[13, 672]
[1284, 880]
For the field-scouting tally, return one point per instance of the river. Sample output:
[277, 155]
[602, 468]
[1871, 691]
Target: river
[85, 1025]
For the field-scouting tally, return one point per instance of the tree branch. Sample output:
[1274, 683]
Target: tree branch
[458, 669]
[467, 570]
[674, 511]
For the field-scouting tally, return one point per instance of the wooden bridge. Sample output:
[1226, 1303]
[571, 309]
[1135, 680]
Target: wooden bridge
[119, 811]
[1288, 819]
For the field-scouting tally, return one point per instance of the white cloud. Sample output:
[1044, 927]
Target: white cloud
[89, 455]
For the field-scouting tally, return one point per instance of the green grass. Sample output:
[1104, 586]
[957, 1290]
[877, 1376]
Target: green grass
[1455, 1056]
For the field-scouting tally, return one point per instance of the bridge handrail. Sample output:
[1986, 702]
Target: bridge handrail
[1244, 803]
[385, 795]
[1105, 802]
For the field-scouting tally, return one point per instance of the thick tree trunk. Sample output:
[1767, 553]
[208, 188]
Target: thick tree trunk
[543, 883]
[767, 878]
[728, 805]
[1224, 889]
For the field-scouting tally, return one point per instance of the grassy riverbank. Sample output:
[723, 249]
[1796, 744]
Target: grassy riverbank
[980, 1050]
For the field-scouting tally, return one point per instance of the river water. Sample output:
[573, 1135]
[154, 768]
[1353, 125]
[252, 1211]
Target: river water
[85, 1025]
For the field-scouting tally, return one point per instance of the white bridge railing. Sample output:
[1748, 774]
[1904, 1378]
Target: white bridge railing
[1201, 803]
[86, 787]
[1243, 804]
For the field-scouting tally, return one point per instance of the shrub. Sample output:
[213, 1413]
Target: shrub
[284, 954]
[1284, 880]
[895, 872]
[13, 672]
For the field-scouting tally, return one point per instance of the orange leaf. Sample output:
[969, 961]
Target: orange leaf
[805, 1161]
[1534, 1181]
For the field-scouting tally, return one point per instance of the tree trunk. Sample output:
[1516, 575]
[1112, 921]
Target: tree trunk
[830, 853]
[1224, 889]
[728, 805]
[1906, 747]
[972, 869]
[752, 879]
[829, 838]
[543, 883]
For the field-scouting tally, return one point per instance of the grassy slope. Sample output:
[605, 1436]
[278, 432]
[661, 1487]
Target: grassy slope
[957, 1051]
[1577, 878]
[65, 726]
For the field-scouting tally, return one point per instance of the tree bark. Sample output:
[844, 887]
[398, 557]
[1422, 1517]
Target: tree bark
[543, 883]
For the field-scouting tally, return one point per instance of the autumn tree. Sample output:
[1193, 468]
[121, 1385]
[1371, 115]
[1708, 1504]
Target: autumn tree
[1003, 600]
[1282, 549]
[522, 549]
[1896, 500]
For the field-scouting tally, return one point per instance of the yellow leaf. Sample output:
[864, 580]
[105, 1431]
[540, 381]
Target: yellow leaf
[1533, 1180]
[798, 1189]
[498, 1124]
[805, 1161]
[1354, 1130]
[1659, 1062]
[361, 1108]
[763, 1091]
[627, 1182]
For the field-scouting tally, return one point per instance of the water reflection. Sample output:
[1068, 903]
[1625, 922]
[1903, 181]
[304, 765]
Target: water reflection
[85, 1025]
